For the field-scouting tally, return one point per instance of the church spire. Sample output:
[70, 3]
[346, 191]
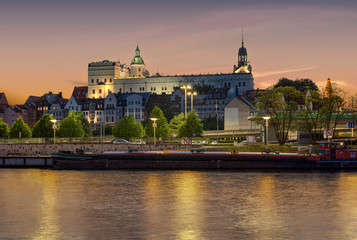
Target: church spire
[137, 51]
[328, 89]
[242, 38]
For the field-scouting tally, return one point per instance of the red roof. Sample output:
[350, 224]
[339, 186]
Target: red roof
[80, 93]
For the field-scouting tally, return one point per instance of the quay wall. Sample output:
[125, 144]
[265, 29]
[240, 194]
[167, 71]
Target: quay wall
[34, 149]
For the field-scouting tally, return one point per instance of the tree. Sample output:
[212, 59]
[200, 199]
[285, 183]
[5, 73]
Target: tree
[284, 82]
[19, 126]
[128, 128]
[281, 105]
[162, 129]
[44, 127]
[70, 128]
[191, 127]
[4, 129]
[78, 116]
[163, 102]
[175, 123]
[301, 84]
[211, 123]
[311, 115]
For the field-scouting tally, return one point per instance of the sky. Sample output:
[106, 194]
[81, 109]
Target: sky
[47, 45]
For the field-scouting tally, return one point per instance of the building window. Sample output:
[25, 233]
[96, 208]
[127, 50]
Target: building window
[239, 84]
[105, 80]
[100, 90]
[131, 89]
[143, 89]
[119, 89]
[92, 80]
[110, 80]
[97, 80]
[243, 84]
[139, 69]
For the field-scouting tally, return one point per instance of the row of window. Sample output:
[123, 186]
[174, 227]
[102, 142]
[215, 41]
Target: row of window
[134, 102]
[240, 84]
[105, 80]
[42, 108]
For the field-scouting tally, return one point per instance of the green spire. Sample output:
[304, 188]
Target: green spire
[137, 51]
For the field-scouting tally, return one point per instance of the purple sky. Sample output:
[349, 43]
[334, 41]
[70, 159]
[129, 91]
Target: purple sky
[47, 46]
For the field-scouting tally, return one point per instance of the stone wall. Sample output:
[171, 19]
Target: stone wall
[46, 149]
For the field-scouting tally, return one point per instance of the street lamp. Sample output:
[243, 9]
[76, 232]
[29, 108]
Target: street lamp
[54, 126]
[192, 94]
[266, 118]
[186, 87]
[154, 125]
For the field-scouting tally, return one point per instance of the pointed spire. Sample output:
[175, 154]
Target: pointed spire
[137, 51]
[328, 89]
[242, 38]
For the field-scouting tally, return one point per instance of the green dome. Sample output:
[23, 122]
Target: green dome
[137, 60]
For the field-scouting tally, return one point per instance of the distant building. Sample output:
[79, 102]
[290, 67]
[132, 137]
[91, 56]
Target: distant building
[11, 114]
[3, 101]
[112, 76]
[237, 111]
[133, 104]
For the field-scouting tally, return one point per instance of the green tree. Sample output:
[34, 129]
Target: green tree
[44, 127]
[79, 116]
[211, 123]
[175, 123]
[299, 84]
[163, 102]
[311, 116]
[191, 127]
[284, 82]
[4, 129]
[128, 128]
[281, 105]
[70, 128]
[19, 126]
[162, 129]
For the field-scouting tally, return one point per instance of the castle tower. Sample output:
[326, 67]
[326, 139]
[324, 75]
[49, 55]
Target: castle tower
[243, 66]
[137, 66]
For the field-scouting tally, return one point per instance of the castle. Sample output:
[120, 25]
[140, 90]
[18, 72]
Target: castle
[112, 76]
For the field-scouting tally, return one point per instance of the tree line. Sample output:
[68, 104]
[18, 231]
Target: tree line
[300, 105]
[75, 125]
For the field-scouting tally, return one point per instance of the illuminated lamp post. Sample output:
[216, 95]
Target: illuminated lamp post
[154, 125]
[186, 87]
[54, 126]
[266, 118]
[192, 94]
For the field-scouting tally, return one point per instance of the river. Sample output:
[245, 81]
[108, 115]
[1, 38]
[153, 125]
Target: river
[49, 204]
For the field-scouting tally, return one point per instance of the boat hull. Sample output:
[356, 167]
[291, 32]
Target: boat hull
[193, 162]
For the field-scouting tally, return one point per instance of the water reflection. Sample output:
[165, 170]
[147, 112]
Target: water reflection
[42, 204]
[48, 227]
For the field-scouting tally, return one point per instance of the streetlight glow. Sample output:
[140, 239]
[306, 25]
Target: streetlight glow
[266, 118]
[154, 125]
[186, 87]
[192, 94]
[54, 126]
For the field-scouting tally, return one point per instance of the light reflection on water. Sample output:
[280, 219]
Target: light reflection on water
[45, 204]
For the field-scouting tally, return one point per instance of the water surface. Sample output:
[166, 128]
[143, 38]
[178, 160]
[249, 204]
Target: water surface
[48, 204]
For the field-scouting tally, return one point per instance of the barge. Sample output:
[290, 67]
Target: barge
[328, 156]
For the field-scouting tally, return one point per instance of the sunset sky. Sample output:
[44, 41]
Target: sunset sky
[47, 45]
